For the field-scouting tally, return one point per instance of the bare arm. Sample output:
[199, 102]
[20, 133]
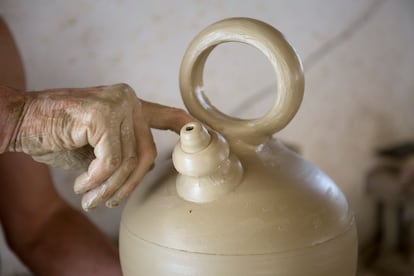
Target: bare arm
[48, 235]
[11, 106]
[11, 74]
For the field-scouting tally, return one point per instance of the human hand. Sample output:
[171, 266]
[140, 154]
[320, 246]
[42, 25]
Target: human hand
[106, 129]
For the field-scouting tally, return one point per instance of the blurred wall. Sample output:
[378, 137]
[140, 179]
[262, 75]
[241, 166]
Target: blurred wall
[358, 59]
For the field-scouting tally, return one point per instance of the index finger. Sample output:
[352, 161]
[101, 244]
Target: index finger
[165, 117]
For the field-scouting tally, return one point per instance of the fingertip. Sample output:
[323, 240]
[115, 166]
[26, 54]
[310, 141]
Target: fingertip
[86, 207]
[112, 203]
[179, 118]
[88, 202]
[121, 194]
[165, 117]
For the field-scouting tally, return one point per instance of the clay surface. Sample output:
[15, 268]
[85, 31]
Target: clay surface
[207, 169]
[283, 217]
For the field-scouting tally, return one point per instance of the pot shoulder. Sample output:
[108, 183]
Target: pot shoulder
[282, 203]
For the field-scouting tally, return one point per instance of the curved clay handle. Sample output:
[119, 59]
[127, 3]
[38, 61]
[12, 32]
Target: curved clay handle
[273, 45]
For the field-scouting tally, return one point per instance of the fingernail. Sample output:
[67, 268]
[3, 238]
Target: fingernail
[112, 203]
[86, 207]
[89, 203]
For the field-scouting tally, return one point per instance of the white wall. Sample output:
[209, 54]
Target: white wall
[358, 58]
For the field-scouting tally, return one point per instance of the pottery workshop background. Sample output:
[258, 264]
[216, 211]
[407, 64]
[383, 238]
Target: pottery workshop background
[358, 59]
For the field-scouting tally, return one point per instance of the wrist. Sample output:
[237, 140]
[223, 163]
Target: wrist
[12, 104]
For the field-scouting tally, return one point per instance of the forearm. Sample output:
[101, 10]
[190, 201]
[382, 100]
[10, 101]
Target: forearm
[49, 236]
[68, 244]
[12, 104]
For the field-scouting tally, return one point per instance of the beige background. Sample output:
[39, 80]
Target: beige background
[358, 58]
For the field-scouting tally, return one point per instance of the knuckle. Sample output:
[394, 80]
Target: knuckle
[125, 89]
[116, 93]
[149, 155]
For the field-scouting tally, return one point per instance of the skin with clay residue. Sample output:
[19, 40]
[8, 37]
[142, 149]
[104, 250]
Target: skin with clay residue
[105, 130]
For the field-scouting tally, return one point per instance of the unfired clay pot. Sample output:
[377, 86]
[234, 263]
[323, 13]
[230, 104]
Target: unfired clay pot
[242, 203]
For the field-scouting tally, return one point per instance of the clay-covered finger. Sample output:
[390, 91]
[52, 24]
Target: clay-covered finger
[144, 165]
[146, 154]
[165, 117]
[100, 194]
[108, 158]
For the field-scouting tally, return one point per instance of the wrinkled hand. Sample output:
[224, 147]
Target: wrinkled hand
[106, 129]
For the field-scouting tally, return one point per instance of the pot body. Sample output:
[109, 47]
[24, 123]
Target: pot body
[285, 218]
[243, 204]
[327, 259]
